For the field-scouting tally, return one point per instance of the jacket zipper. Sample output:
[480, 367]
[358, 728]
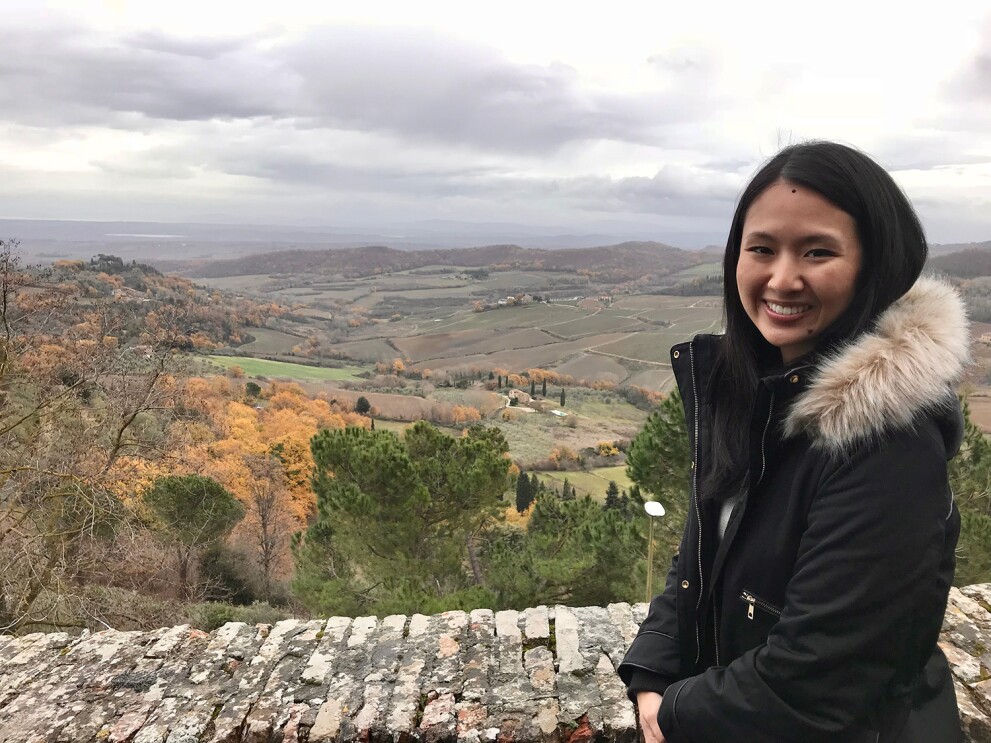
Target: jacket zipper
[695, 499]
[752, 601]
[763, 439]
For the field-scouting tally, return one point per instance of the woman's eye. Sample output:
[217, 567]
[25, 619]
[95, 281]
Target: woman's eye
[759, 249]
[821, 253]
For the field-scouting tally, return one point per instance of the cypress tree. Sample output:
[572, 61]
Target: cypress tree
[524, 492]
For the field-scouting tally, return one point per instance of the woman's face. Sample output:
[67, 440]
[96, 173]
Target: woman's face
[799, 261]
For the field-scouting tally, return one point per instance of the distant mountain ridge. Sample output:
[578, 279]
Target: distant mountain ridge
[627, 260]
[970, 263]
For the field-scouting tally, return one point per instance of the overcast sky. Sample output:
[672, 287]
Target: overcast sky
[645, 114]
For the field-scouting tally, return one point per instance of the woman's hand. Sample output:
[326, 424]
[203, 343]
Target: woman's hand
[649, 704]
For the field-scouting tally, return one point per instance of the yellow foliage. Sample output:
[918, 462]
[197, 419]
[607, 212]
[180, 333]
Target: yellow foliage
[606, 449]
[465, 414]
[517, 519]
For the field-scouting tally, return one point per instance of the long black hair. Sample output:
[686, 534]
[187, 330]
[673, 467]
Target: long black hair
[894, 251]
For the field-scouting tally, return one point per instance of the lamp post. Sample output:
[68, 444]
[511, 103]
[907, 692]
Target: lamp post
[653, 508]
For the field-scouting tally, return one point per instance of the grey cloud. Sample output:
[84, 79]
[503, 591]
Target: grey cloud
[433, 87]
[929, 150]
[66, 75]
[413, 84]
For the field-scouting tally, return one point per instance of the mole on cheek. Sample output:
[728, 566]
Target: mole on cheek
[794, 190]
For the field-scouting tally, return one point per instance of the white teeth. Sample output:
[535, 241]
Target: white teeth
[780, 309]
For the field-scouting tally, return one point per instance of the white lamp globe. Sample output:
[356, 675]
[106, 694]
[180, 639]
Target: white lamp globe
[653, 508]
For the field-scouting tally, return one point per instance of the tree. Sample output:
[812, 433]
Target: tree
[269, 519]
[659, 461]
[252, 389]
[401, 515]
[970, 481]
[533, 387]
[572, 552]
[524, 492]
[75, 402]
[362, 405]
[195, 511]
[562, 397]
[543, 387]
[612, 496]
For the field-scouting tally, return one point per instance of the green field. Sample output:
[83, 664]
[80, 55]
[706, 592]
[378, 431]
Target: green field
[529, 316]
[265, 368]
[593, 482]
[268, 342]
[601, 322]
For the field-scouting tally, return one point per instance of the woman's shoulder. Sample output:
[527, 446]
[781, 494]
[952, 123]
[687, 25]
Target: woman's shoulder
[889, 380]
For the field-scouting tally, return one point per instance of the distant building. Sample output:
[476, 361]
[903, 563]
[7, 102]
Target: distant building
[519, 396]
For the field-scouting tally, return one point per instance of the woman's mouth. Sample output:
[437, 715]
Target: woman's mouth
[784, 310]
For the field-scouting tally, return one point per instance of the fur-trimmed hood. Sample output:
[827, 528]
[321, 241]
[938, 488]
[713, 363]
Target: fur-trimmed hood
[882, 380]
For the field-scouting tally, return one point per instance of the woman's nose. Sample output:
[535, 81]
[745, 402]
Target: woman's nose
[786, 276]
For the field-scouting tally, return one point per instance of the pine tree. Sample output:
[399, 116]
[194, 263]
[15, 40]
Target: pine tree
[562, 397]
[612, 496]
[422, 498]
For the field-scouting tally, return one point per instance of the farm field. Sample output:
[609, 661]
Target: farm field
[528, 316]
[265, 368]
[543, 356]
[446, 345]
[651, 347]
[659, 380]
[602, 406]
[599, 322]
[594, 366]
[270, 342]
[373, 349]
[703, 269]
[590, 482]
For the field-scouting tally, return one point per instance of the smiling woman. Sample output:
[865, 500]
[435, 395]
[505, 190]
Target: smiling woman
[798, 265]
[809, 589]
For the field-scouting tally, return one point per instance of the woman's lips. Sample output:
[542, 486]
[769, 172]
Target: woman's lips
[786, 312]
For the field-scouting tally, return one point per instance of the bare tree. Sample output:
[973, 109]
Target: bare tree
[74, 400]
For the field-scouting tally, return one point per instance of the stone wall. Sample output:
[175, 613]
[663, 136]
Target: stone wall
[537, 675]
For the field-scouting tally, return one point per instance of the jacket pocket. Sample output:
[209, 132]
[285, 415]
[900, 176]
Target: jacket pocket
[755, 603]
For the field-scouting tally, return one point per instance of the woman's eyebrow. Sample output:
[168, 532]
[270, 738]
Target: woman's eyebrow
[815, 237]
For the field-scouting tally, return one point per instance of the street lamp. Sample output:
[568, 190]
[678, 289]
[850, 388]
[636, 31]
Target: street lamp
[653, 508]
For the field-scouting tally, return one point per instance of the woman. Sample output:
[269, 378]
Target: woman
[809, 589]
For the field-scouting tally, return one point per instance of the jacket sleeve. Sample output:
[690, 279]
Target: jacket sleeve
[862, 601]
[653, 660]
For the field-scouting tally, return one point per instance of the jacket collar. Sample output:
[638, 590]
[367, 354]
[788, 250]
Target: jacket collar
[883, 379]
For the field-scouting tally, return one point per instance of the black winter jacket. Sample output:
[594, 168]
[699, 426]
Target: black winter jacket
[814, 617]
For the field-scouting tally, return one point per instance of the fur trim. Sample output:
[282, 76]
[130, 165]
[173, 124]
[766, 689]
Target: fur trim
[884, 378]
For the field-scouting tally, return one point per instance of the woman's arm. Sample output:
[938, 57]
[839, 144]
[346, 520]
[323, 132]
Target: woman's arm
[654, 658]
[864, 600]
